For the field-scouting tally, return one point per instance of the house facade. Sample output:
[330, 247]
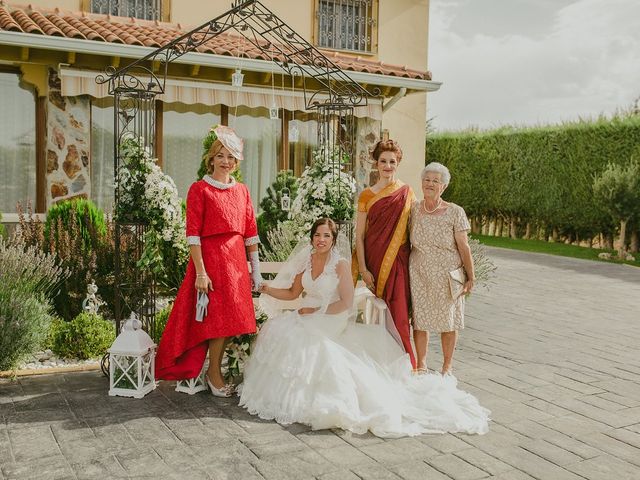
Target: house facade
[56, 125]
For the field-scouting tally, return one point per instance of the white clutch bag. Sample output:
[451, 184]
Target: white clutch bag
[201, 306]
[457, 279]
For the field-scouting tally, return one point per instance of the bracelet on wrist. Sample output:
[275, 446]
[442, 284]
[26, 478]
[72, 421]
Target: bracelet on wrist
[201, 275]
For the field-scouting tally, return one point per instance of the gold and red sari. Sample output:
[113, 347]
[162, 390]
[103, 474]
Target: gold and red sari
[387, 249]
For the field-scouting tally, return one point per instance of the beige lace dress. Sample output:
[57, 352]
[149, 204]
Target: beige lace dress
[434, 254]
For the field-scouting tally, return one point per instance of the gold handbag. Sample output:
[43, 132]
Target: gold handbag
[457, 279]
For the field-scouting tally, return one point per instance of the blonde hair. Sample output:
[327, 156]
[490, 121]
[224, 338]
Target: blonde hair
[213, 151]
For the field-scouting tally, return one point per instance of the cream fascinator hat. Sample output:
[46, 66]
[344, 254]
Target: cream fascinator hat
[230, 139]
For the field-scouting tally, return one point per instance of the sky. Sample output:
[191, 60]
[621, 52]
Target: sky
[531, 62]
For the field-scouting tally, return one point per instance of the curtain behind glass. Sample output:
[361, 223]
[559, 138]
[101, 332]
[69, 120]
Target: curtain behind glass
[301, 152]
[184, 128]
[17, 143]
[102, 188]
[262, 137]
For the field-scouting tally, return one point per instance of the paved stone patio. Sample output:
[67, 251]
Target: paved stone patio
[552, 349]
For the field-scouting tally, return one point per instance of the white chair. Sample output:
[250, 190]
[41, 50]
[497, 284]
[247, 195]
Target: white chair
[374, 309]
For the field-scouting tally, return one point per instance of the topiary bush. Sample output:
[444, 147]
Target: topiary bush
[88, 217]
[86, 336]
[271, 204]
[28, 278]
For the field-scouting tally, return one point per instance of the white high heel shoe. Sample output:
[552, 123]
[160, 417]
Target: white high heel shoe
[223, 392]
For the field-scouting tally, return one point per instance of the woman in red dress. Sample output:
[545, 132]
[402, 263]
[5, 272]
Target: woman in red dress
[221, 232]
[382, 240]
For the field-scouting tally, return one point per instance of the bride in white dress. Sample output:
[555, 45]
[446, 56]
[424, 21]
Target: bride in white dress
[316, 366]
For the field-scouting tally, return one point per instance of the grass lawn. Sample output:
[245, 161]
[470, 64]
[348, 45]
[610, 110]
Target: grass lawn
[551, 248]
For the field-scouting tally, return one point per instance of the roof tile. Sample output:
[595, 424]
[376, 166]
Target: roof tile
[131, 31]
[48, 27]
[67, 29]
[26, 24]
[7, 22]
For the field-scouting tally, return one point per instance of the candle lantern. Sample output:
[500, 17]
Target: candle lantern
[285, 200]
[237, 78]
[132, 361]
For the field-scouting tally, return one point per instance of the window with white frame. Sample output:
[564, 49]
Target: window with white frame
[143, 9]
[17, 143]
[346, 24]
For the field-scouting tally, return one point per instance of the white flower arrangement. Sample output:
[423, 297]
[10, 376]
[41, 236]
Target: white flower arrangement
[148, 195]
[324, 190]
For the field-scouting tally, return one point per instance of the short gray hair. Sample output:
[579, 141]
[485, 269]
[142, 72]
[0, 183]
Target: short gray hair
[436, 167]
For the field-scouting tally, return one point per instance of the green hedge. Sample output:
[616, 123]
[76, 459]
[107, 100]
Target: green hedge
[539, 176]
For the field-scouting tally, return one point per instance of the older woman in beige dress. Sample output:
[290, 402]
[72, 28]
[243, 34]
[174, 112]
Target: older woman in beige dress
[440, 248]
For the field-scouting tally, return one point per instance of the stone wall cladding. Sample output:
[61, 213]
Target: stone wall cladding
[68, 144]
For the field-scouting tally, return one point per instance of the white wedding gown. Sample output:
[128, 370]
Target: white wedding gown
[326, 371]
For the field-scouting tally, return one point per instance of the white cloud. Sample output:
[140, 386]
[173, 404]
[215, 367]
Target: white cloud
[585, 62]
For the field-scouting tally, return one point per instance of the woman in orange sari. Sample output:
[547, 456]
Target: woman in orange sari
[382, 240]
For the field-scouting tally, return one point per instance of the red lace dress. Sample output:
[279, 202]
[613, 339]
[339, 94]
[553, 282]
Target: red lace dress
[220, 218]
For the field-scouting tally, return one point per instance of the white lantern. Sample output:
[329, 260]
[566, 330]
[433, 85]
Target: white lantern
[236, 78]
[285, 200]
[294, 133]
[273, 111]
[132, 361]
[192, 386]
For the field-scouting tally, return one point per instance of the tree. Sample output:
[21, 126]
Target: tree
[271, 203]
[618, 189]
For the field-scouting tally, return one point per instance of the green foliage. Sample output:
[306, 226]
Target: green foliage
[149, 197]
[28, 277]
[24, 320]
[3, 232]
[271, 204]
[86, 336]
[206, 145]
[89, 218]
[81, 264]
[550, 248]
[542, 176]
[81, 240]
[68, 245]
[281, 239]
[162, 317]
[618, 189]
